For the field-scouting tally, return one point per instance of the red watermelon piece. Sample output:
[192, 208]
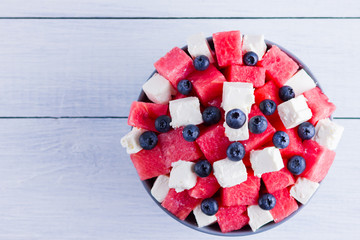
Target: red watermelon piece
[279, 66]
[285, 205]
[275, 181]
[250, 74]
[319, 104]
[245, 193]
[318, 161]
[207, 84]
[228, 48]
[143, 114]
[213, 143]
[175, 65]
[216, 102]
[205, 187]
[232, 218]
[180, 204]
[295, 146]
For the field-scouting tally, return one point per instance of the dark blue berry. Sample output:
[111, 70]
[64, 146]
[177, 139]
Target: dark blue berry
[162, 123]
[267, 107]
[281, 139]
[203, 168]
[286, 93]
[201, 63]
[191, 133]
[306, 131]
[235, 151]
[296, 165]
[148, 140]
[258, 124]
[209, 206]
[184, 87]
[250, 59]
[235, 118]
[211, 115]
[267, 201]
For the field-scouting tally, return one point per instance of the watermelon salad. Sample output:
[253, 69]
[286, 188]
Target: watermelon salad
[234, 132]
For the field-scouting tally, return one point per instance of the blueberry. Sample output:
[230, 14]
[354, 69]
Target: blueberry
[281, 139]
[267, 107]
[162, 123]
[267, 201]
[250, 58]
[209, 206]
[306, 131]
[184, 87]
[191, 133]
[235, 118]
[286, 93]
[235, 151]
[296, 165]
[148, 140]
[201, 63]
[203, 168]
[258, 124]
[211, 115]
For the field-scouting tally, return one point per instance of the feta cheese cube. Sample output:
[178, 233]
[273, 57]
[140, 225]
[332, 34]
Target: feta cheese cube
[258, 217]
[158, 89]
[301, 82]
[185, 111]
[237, 95]
[254, 43]
[201, 218]
[160, 188]
[131, 140]
[328, 133]
[267, 160]
[182, 176]
[229, 173]
[294, 112]
[303, 189]
[198, 45]
[239, 134]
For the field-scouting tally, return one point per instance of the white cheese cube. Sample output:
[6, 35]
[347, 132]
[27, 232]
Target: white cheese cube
[185, 111]
[258, 217]
[198, 45]
[182, 176]
[239, 134]
[201, 218]
[266, 160]
[229, 173]
[160, 188]
[254, 43]
[294, 112]
[158, 89]
[301, 82]
[131, 140]
[303, 189]
[237, 95]
[328, 133]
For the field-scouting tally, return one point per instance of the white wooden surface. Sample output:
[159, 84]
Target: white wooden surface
[68, 178]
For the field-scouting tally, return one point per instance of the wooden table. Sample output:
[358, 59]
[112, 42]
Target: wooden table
[69, 71]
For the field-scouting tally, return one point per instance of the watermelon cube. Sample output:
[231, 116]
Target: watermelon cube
[143, 114]
[319, 104]
[228, 48]
[180, 204]
[279, 66]
[232, 218]
[250, 74]
[175, 66]
[275, 181]
[285, 205]
[295, 145]
[318, 161]
[205, 187]
[216, 102]
[207, 84]
[245, 193]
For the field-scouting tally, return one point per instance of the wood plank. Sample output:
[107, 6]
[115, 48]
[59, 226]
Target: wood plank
[70, 179]
[174, 8]
[97, 67]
